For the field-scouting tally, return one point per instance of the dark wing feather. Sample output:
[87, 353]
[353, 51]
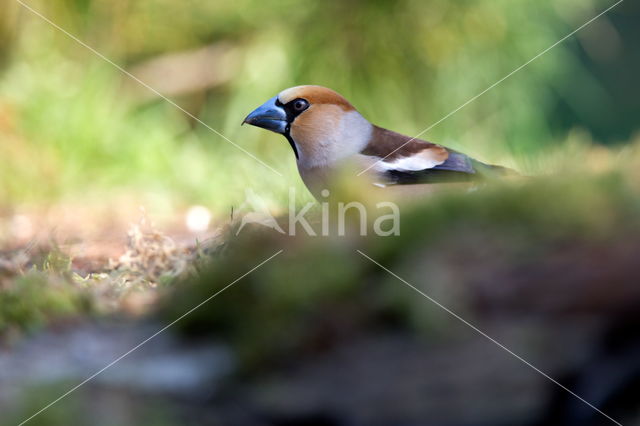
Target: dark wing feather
[456, 162]
[450, 166]
[426, 176]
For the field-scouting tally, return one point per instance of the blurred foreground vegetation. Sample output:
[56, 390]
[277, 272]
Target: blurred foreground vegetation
[520, 254]
[527, 247]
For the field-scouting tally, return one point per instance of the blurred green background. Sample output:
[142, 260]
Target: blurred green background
[72, 125]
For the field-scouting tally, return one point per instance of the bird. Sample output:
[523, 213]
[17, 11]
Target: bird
[327, 135]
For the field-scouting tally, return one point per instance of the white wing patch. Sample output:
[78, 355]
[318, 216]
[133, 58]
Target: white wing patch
[420, 161]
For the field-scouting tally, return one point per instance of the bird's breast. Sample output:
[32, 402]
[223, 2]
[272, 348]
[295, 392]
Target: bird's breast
[315, 179]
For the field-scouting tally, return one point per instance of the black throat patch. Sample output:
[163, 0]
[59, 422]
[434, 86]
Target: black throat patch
[287, 134]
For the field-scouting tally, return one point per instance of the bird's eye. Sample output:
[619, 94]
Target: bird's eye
[300, 105]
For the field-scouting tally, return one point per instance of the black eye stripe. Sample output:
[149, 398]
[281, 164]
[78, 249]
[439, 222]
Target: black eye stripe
[294, 108]
[297, 105]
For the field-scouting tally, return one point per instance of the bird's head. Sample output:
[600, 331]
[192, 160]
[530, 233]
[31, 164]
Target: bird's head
[320, 124]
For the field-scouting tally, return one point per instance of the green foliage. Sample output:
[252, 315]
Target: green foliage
[79, 408]
[77, 122]
[35, 298]
[65, 413]
[46, 291]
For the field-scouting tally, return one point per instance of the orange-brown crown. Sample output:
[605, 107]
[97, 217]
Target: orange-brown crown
[315, 95]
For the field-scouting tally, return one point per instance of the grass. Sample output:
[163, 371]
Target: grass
[32, 295]
[40, 286]
[93, 140]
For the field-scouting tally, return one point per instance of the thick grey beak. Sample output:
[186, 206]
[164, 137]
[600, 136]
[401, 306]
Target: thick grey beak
[269, 116]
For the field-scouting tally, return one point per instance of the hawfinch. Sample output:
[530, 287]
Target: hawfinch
[327, 133]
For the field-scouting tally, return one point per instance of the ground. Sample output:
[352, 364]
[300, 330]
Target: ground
[545, 266]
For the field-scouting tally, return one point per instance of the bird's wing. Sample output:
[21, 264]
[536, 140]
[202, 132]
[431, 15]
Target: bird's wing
[403, 160]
